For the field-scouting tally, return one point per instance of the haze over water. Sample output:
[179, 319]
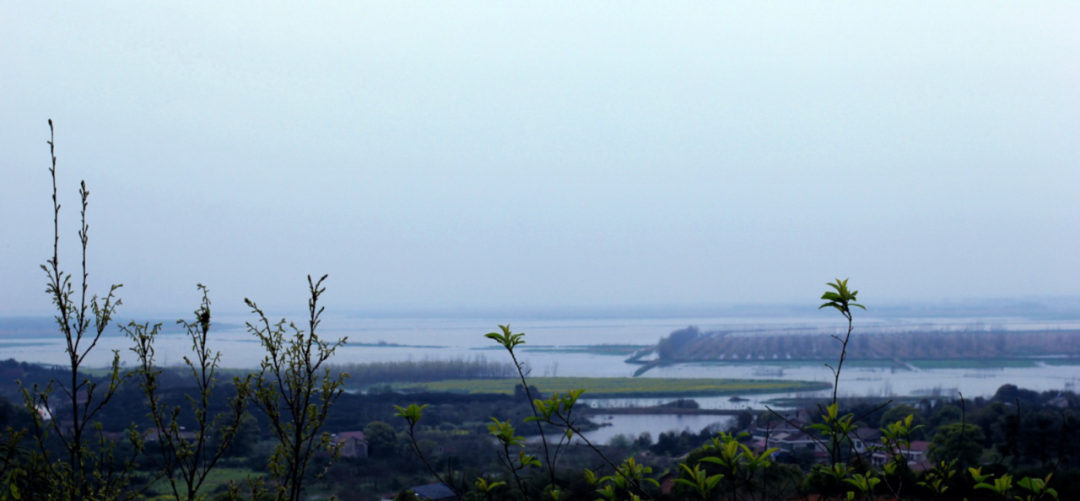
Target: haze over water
[426, 338]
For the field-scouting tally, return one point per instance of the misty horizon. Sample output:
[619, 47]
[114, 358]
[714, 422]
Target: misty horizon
[975, 309]
[511, 156]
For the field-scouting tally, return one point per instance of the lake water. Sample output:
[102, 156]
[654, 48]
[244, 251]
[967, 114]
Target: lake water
[633, 425]
[442, 338]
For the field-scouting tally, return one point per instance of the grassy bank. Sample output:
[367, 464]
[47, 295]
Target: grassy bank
[623, 387]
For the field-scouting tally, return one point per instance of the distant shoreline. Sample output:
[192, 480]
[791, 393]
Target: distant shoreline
[625, 387]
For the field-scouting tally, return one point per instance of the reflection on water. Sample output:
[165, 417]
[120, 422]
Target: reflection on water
[633, 425]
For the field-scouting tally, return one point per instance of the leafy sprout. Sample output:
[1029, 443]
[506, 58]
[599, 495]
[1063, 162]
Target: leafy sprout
[843, 299]
[507, 338]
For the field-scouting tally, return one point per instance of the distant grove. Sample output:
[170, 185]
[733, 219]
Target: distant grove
[692, 345]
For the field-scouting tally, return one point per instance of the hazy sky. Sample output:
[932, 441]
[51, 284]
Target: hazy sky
[442, 154]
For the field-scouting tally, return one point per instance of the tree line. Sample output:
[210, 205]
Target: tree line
[687, 345]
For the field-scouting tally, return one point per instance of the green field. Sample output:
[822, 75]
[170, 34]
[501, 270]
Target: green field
[623, 387]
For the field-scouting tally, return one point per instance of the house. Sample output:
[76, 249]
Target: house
[915, 454]
[792, 441]
[768, 435]
[1059, 401]
[353, 444]
[759, 432]
[434, 492]
[863, 439]
[789, 439]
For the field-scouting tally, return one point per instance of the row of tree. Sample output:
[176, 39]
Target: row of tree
[689, 344]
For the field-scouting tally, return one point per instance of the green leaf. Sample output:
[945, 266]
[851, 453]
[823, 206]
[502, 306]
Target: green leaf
[713, 480]
[683, 481]
[590, 477]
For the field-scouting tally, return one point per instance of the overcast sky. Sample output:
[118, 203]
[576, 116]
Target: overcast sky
[543, 154]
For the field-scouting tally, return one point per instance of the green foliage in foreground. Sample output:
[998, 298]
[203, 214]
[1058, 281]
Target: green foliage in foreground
[623, 387]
